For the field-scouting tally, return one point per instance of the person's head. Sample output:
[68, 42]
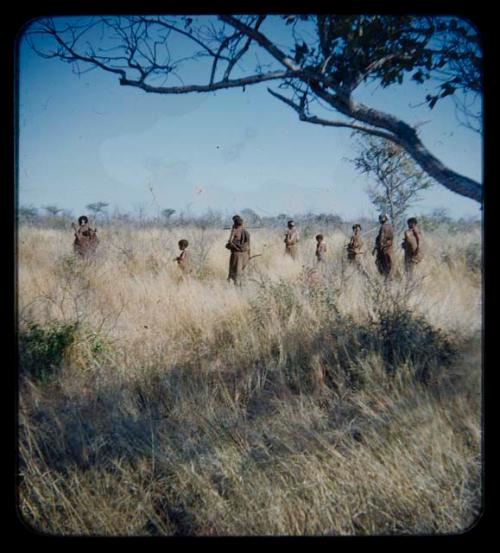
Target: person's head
[319, 237]
[382, 218]
[356, 228]
[183, 244]
[237, 220]
[411, 222]
[291, 224]
[83, 220]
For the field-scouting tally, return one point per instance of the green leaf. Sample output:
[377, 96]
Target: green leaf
[433, 101]
[447, 89]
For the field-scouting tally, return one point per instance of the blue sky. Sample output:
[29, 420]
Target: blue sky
[86, 139]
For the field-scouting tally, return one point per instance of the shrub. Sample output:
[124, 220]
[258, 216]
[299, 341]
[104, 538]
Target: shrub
[42, 348]
[473, 257]
[407, 338]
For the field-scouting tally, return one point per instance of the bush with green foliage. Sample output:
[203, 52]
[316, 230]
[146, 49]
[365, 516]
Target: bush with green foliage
[42, 348]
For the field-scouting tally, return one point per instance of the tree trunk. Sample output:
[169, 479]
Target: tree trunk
[406, 136]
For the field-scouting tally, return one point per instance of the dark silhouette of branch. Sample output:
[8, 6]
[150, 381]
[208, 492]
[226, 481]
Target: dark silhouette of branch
[344, 52]
[326, 122]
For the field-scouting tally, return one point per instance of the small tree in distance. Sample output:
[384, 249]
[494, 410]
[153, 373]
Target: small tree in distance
[57, 217]
[250, 217]
[27, 214]
[167, 213]
[398, 181]
[97, 208]
[52, 210]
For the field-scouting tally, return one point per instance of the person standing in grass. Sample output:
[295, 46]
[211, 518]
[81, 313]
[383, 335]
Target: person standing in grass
[355, 246]
[291, 240]
[320, 249]
[239, 245]
[412, 246]
[383, 248]
[86, 240]
[183, 258]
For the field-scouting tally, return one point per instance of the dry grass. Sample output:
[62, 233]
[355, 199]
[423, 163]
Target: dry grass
[294, 406]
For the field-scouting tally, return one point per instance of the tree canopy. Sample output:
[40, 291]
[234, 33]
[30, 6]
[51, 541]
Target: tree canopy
[312, 61]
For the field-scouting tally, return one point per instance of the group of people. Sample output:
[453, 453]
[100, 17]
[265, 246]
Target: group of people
[383, 249]
[412, 246]
[238, 244]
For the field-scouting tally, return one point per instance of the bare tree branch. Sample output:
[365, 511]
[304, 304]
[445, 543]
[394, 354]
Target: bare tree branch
[222, 46]
[344, 51]
[262, 41]
[406, 136]
[243, 50]
[328, 123]
[220, 85]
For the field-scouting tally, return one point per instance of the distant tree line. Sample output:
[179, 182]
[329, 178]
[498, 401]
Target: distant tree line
[51, 216]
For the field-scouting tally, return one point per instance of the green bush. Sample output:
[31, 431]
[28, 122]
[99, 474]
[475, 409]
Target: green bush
[396, 335]
[41, 348]
[407, 338]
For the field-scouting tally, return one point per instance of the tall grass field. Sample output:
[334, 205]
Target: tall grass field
[309, 401]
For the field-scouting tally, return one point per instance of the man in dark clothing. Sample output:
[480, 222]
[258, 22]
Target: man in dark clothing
[86, 240]
[412, 245]
[383, 248]
[239, 244]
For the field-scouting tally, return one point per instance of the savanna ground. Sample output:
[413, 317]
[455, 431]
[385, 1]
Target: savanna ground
[298, 405]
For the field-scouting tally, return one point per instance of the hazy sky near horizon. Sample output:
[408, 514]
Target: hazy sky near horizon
[86, 139]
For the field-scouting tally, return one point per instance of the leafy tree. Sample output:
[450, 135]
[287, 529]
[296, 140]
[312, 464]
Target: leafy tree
[317, 60]
[250, 216]
[398, 181]
[330, 219]
[167, 213]
[57, 217]
[97, 208]
[27, 213]
[52, 210]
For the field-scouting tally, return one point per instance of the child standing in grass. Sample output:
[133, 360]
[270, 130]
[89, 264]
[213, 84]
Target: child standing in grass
[183, 258]
[320, 248]
[355, 246]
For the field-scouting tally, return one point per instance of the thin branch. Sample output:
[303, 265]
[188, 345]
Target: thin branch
[223, 45]
[377, 64]
[253, 79]
[262, 40]
[240, 54]
[166, 25]
[328, 123]
[78, 57]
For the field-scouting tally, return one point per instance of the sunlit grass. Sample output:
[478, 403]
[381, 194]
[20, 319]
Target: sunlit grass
[194, 407]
